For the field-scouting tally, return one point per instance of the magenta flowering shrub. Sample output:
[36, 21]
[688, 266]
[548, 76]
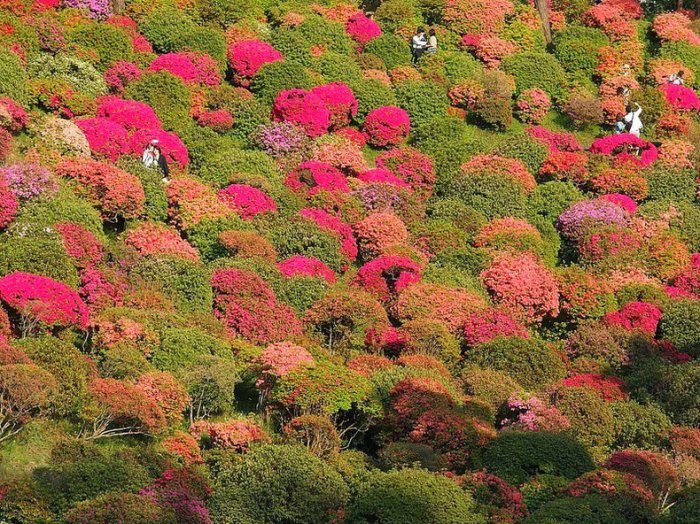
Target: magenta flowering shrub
[281, 138]
[120, 74]
[382, 176]
[621, 200]
[298, 265]
[8, 205]
[192, 68]
[170, 144]
[533, 105]
[491, 323]
[524, 413]
[28, 180]
[635, 316]
[81, 245]
[333, 224]
[246, 57]
[387, 275]
[362, 29]
[97, 9]
[304, 109]
[339, 100]
[387, 126]
[587, 215]
[131, 114]
[13, 117]
[43, 300]
[312, 176]
[556, 141]
[681, 97]
[247, 201]
[411, 165]
[617, 146]
[107, 139]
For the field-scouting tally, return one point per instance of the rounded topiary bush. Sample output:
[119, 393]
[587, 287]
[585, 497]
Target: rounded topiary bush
[279, 76]
[518, 456]
[674, 184]
[589, 509]
[391, 49]
[539, 70]
[13, 77]
[523, 147]
[182, 346]
[166, 94]
[491, 194]
[423, 100]
[576, 48]
[679, 325]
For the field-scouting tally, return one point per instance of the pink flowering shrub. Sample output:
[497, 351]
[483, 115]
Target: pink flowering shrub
[80, 244]
[13, 117]
[246, 57]
[151, 238]
[378, 233]
[382, 176]
[44, 300]
[522, 284]
[313, 176]
[281, 139]
[304, 109]
[8, 205]
[556, 141]
[220, 120]
[609, 388]
[362, 29]
[247, 201]
[492, 323]
[586, 216]
[278, 360]
[387, 275]
[339, 100]
[28, 180]
[411, 165]
[496, 165]
[335, 225]
[107, 138]
[623, 201]
[96, 9]
[236, 435]
[120, 74]
[681, 97]
[387, 126]
[131, 114]
[635, 316]
[306, 266]
[192, 68]
[533, 105]
[101, 289]
[617, 147]
[172, 147]
[492, 50]
[674, 27]
[532, 414]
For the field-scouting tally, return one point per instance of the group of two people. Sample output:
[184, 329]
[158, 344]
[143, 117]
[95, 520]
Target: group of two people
[153, 158]
[421, 44]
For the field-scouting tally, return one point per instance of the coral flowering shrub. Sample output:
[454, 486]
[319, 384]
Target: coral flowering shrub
[339, 100]
[378, 233]
[220, 120]
[107, 138]
[362, 29]
[131, 114]
[170, 144]
[43, 299]
[192, 68]
[246, 57]
[491, 323]
[681, 97]
[191, 201]
[156, 239]
[387, 126]
[80, 244]
[312, 176]
[533, 105]
[500, 166]
[304, 109]
[8, 205]
[278, 360]
[387, 275]
[306, 266]
[236, 435]
[634, 316]
[247, 201]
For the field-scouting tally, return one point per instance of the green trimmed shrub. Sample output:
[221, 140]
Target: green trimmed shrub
[120, 507]
[278, 76]
[494, 112]
[576, 48]
[79, 74]
[518, 456]
[185, 282]
[424, 101]
[166, 27]
[523, 147]
[13, 77]
[156, 205]
[415, 496]
[494, 196]
[466, 218]
[371, 94]
[591, 418]
[273, 484]
[296, 43]
[684, 219]
[227, 12]
[166, 94]
[110, 42]
[551, 199]
[222, 165]
[403, 455]
[589, 509]
[302, 292]
[39, 253]
[459, 66]
[335, 67]
[539, 70]
[686, 508]
[640, 426]
[180, 347]
[124, 361]
[392, 15]
[393, 50]
[304, 237]
[204, 235]
[531, 362]
[489, 386]
[206, 40]
[679, 325]
[211, 383]
[674, 184]
[429, 337]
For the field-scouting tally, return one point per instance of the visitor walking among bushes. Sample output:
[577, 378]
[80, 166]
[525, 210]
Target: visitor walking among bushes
[418, 45]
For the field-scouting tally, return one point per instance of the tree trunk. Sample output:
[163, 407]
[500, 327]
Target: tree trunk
[679, 5]
[118, 6]
[544, 17]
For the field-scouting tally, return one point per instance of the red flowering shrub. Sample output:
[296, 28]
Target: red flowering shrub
[170, 144]
[533, 105]
[387, 126]
[362, 29]
[80, 244]
[609, 388]
[378, 233]
[306, 266]
[496, 165]
[246, 57]
[249, 308]
[313, 176]
[382, 176]
[681, 97]
[491, 323]
[150, 238]
[411, 165]
[328, 222]
[618, 146]
[387, 275]
[184, 446]
[675, 27]
[278, 360]
[193, 68]
[247, 201]
[164, 389]
[8, 204]
[635, 316]
[521, 283]
[220, 120]
[13, 117]
[651, 467]
[43, 300]
[191, 201]
[107, 138]
[120, 74]
[339, 100]
[566, 165]
[116, 192]
[304, 109]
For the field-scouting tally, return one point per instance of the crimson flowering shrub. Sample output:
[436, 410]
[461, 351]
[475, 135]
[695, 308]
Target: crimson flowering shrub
[652, 468]
[116, 192]
[192, 68]
[131, 114]
[236, 435]
[6, 142]
[491, 323]
[367, 364]
[584, 295]
[522, 284]
[107, 138]
[609, 388]
[26, 181]
[120, 74]
[246, 57]
[304, 109]
[635, 316]
[498, 166]
[412, 166]
[623, 201]
[379, 233]
[8, 205]
[100, 289]
[387, 126]
[80, 244]
[382, 176]
[41, 299]
[411, 397]
[247, 201]
[339, 100]
[610, 19]
[328, 222]
[13, 117]
[220, 120]
[387, 275]
[362, 29]
[523, 413]
[171, 145]
[306, 266]
[681, 97]
[533, 105]
[617, 146]
[150, 239]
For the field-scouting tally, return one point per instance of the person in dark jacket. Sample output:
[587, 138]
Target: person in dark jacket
[162, 164]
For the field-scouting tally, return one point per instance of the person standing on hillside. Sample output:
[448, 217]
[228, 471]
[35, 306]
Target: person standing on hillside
[432, 42]
[418, 45]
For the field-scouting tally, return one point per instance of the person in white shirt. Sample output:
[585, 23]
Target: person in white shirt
[418, 45]
[149, 158]
[432, 42]
[677, 78]
[633, 122]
